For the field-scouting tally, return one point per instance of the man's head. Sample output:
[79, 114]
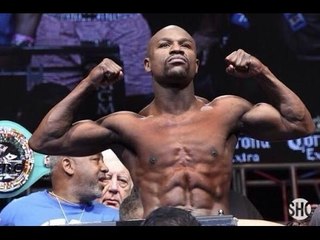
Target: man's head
[131, 207]
[80, 177]
[170, 216]
[118, 184]
[172, 57]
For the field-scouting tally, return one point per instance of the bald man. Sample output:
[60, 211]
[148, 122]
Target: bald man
[179, 148]
[76, 183]
[118, 184]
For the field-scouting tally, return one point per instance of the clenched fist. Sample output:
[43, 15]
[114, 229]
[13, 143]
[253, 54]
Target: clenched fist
[241, 64]
[105, 73]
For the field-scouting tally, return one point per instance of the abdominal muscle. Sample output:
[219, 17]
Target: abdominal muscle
[201, 188]
[186, 164]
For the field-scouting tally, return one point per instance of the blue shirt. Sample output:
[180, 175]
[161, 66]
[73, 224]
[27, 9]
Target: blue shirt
[42, 209]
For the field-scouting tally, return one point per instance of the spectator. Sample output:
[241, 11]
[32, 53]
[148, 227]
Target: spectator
[314, 219]
[170, 216]
[76, 182]
[129, 31]
[16, 30]
[131, 208]
[118, 184]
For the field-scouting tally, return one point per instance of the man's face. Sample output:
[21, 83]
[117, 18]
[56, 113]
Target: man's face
[91, 175]
[172, 55]
[118, 184]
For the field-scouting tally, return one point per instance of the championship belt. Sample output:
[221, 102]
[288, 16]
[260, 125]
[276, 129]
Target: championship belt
[20, 166]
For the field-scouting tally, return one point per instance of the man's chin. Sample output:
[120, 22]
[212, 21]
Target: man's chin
[177, 73]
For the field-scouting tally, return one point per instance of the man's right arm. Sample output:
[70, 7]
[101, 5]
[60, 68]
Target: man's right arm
[57, 134]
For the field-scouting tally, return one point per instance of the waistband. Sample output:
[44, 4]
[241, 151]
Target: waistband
[87, 17]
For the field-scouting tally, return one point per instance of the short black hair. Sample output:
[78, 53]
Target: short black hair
[170, 216]
[130, 206]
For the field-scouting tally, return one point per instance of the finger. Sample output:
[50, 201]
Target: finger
[248, 63]
[244, 63]
[231, 57]
[242, 69]
[112, 73]
[230, 69]
[120, 75]
[107, 74]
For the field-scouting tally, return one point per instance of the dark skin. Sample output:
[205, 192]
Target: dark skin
[79, 179]
[179, 148]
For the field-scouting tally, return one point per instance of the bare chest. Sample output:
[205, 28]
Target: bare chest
[184, 140]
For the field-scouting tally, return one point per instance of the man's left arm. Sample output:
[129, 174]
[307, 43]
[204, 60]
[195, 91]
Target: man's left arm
[284, 117]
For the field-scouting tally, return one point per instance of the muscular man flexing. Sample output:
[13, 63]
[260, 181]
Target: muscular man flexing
[179, 148]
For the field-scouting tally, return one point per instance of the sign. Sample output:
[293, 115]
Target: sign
[249, 150]
[300, 209]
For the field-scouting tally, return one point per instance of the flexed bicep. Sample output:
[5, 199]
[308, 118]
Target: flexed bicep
[89, 137]
[83, 138]
[264, 122]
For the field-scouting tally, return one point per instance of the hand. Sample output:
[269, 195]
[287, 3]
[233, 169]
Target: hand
[243, 65]
[107, 72]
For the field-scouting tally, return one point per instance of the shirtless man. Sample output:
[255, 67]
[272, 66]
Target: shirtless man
[179, 149]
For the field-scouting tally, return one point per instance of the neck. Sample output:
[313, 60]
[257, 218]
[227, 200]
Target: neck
[174, 100]
[59, 200]
[175, 104]
[63, 198]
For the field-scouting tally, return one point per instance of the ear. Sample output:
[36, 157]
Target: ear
[197, 63]
[147, 65]
[68, 165]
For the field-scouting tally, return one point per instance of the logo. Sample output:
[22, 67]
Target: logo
[16, 160]
[300, 209]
